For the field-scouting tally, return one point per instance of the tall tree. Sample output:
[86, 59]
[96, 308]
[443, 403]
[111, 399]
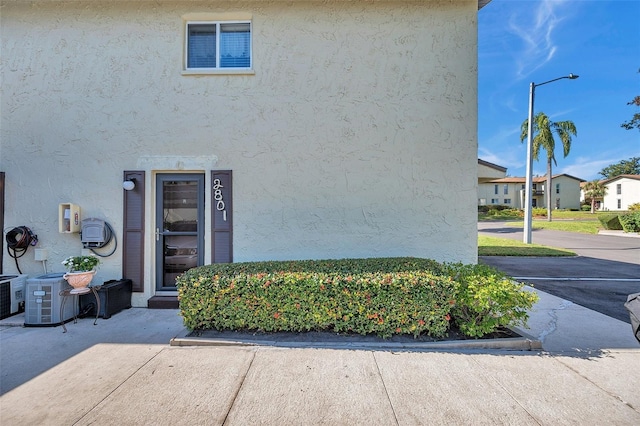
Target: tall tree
[594, 190]
[543, 130]
[624, 167]
[634, 123]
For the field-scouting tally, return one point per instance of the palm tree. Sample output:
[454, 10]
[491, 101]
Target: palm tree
[543, 129]
[594, 189]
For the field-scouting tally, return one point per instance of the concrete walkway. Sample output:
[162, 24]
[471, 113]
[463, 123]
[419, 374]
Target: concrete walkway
[123, 371]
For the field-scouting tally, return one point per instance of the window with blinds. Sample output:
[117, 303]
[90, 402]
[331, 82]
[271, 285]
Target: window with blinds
[218, 45]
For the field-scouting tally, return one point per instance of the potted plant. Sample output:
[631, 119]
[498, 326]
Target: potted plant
[81, 270]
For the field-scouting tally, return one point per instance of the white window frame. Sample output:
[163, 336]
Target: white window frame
[217, 69]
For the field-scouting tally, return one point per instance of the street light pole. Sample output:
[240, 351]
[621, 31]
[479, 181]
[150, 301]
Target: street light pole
[528, 195]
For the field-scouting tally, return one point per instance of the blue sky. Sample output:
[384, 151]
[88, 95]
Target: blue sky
[524, 41]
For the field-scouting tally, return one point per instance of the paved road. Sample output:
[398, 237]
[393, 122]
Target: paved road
[606, 270]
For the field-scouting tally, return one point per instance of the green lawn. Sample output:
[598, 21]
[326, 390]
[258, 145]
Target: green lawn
[562, 220]
[581, 226]
[492, 246]
[567, 214]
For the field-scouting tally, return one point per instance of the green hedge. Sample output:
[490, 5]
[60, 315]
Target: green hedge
[366, 296]
[487, 299]
[610, 221]
[630, 221]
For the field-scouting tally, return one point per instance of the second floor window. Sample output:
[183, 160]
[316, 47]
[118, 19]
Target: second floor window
[619, 189]
[218, 45]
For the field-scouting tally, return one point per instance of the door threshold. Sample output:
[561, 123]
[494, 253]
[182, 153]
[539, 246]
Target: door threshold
[163, 302]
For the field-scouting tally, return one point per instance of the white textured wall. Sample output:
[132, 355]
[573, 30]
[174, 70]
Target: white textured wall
[356, 136]
[569, 192]
[630, 194]
[486, 173]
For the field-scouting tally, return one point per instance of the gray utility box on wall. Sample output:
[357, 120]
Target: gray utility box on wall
[43, 301]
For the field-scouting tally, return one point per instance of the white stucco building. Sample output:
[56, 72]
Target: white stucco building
[622, 191]
[509, 191]
[251, 130]
[488, 171]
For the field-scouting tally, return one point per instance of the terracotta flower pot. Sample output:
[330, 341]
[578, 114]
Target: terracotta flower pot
[79, 280]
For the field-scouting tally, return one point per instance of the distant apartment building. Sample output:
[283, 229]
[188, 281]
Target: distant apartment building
[510, 192]
[622, 191]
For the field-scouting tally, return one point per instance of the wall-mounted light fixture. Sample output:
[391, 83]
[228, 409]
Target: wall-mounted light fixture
[129, 184]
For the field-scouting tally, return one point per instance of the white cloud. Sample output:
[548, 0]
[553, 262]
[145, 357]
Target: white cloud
[586, 168]
[511, 158]
[536, 34]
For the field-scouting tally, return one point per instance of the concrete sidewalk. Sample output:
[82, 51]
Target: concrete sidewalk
[124, 371]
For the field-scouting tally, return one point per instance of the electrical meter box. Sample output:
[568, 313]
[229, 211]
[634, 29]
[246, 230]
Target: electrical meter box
[93, 233]
[68, 218]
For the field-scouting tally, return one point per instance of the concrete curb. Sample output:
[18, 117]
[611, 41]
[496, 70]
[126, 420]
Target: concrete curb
[524, 343]
[619, 233]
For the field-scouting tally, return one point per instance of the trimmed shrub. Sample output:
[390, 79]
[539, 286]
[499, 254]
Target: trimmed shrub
[585, 207]
[610, 221]
[630, 221]
[539, 211]
[487, 299]
[635, 207]
[501, 212]
[366, 296]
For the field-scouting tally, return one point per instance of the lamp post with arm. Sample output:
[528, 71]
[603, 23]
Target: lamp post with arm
[528, 198]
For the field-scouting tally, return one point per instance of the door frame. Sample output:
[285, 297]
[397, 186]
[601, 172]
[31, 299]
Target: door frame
[159, 258]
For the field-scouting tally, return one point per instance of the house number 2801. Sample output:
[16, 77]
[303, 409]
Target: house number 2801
[217, 195]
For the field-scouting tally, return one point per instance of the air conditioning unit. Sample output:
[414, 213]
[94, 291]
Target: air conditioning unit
[11, 294]
[43, 301]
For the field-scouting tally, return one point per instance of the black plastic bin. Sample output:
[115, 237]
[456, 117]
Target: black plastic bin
[115, 295]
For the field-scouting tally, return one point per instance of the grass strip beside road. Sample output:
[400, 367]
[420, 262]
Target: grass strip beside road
[492, 246]
[580, 226]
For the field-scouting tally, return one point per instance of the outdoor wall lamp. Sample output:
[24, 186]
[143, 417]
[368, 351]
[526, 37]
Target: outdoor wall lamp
[526, 238]
[129, 184]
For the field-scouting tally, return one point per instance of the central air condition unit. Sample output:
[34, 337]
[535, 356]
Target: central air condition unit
[43, 301]
[11, 294]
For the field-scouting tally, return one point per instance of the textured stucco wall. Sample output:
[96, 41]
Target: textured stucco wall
[486, 173]
[630, 194]
[355, 136]
[569, 192]
[487, 192]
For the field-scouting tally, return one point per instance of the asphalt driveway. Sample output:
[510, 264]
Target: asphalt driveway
[605, 272]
